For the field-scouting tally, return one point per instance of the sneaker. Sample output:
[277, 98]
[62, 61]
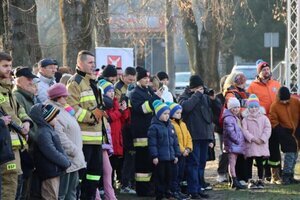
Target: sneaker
[242, 182]
[221, 178]
[195, 196]
[260, 184]
[127, 190]
[276, 181]
[252, 184]
[179, 196]
[202, 194]
[206, 186]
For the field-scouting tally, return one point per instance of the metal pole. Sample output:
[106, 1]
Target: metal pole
[271, 57]
[288, 55]
[298, 47]
[152, 55]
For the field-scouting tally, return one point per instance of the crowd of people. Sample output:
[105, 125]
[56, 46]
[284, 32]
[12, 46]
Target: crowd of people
[83, 135]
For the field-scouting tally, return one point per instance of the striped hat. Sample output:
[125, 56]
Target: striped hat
[173, 108]
[253, 101]
[160, 107]
[49, 112]
[105, 85]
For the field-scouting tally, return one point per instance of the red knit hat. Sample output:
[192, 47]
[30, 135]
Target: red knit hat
[262, 65]
[57, 90]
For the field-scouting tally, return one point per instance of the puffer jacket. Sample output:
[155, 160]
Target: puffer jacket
[49, 157]
[69, 134]
[256, 126]
[183, 135]
[234, 140]
[162, 140]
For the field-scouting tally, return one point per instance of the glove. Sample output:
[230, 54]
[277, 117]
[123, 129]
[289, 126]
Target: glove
[98, 114]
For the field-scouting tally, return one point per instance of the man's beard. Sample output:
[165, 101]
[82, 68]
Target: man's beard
[7, 75]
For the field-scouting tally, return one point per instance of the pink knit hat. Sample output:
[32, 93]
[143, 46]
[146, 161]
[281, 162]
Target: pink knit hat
[57, 90]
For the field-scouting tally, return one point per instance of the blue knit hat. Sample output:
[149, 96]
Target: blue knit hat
[173, 107]
[105, 85]
[159, 107]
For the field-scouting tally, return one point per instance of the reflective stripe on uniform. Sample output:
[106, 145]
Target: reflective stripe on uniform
[87, 96]
[142, 177]
[273, 163]
[80, 114]
[22, 115]
[91, 136]
[15, 141]
[92, 177]
[140, 142]
[146, 107]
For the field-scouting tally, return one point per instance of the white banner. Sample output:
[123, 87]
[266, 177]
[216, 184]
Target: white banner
[120, 57]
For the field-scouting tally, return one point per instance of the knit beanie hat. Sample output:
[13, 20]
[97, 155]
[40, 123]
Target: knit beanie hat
[105, 85]
[109, 71]
[162, 75]
[252, 101]
[233, 102]
[49, 112]
[69, 109]
[284, 93]
[173, 108]
[159, 107]
[57, 90]
[195, 81]
[260, 64]
[141, 73]
[240, 79]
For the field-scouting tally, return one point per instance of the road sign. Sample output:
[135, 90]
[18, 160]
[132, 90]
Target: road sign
[271, 40]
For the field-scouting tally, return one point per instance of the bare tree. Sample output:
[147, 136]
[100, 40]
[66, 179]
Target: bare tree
[20, 31]
[102, 32]
[77, 20]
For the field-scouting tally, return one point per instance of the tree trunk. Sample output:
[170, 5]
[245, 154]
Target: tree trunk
[169, 39]
[102, 32]
[77, 20]
[21, 33]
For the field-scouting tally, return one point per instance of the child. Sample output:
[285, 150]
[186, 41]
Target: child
[163, 148]
[185, 146]
[257, 131]
[234, 141]
[49, 158]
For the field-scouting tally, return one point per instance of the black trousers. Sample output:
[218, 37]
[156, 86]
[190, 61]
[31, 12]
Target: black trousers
[90, 176]
[259, 162]
[241, 165]
[128, 169]
[163, 178]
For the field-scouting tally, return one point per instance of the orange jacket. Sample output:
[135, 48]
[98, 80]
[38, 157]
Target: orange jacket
[266, 92]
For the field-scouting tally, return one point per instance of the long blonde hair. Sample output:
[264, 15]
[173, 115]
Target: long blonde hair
[230, 80]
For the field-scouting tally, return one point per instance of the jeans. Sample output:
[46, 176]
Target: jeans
[196, 162]
[178, 174]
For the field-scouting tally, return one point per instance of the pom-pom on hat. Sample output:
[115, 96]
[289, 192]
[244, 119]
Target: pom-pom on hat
[260, 64]
[159, 107]
[173, 108]
[252, 101]
[141, 73]
[233, 102]
[195, 81]
[57, 90]
[105, 85]
[284, 93]
[49, 112]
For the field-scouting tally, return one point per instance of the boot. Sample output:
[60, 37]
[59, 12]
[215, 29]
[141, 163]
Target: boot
[286, 178]
[275, 176]
[293, 180]
[236, 184]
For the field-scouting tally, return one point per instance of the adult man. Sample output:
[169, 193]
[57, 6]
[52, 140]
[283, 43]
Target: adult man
[110, 74]
[85, 98]
[46, 74]
[125, 80]
[265, 88]
[25, 92]
[14, 111]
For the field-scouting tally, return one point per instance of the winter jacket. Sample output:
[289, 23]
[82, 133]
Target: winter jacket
[237, 92]
[256, 126]
[142, 112]
[234, 140]
[49, 157]
[183, 135]
[11, 107]
[266, 92]
[69, 134]
[84, 99]
[198, 114]
[6, 151]
[115, 120]
[43, 86]
[218, 114]
[162, 140]
[167, 95]
[120, 89]
[107, 140]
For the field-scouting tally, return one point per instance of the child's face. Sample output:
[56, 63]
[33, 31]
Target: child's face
[53, 122]
[165, 116]
[253, 109]
[110, 93]
[177, 114]
[235, 110]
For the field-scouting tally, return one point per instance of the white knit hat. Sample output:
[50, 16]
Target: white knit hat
[233, 102]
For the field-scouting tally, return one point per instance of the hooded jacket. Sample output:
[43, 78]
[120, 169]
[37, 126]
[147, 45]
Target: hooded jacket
[162, 140]
[234, 140]
[49, 157]
[183, 135]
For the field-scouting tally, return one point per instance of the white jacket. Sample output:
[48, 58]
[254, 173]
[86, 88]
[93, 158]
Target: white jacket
[43, 85]
[167, 95]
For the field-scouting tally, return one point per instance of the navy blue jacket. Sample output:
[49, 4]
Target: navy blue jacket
[198, 114]
[49, 157]
[162, 140]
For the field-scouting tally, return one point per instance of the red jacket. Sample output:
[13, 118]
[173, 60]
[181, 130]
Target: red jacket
[116, 118]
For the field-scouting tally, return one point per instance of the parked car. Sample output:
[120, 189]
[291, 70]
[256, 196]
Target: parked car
[181, 81]
[249, 71]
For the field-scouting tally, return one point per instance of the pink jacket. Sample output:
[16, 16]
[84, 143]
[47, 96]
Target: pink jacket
[259, 126]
